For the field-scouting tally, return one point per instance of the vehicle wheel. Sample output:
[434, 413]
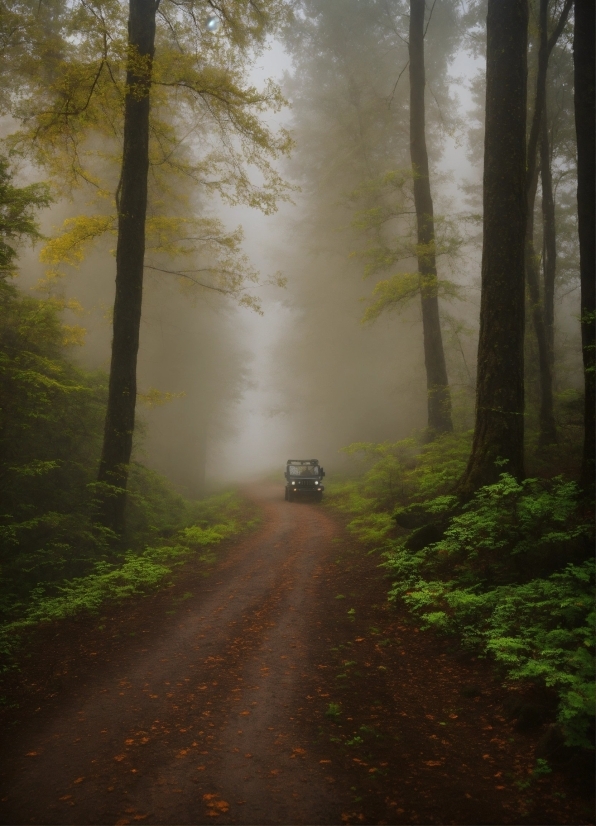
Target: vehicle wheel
[286, 497]
[319, 497]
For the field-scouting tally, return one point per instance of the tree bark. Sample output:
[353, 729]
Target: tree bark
[130, 253]
[439, 397]
[546, 418]
[549, 233]
[583, 63]
[499, 423]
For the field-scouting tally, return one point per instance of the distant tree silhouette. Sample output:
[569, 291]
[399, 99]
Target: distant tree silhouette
[439, 398]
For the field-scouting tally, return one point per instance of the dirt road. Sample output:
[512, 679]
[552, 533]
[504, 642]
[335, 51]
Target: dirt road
[260, 695]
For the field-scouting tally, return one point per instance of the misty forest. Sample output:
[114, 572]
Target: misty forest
[239, 234]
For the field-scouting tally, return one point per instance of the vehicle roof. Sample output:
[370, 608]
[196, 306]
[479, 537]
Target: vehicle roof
[302, 462]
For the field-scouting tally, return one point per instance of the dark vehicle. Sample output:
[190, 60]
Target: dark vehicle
[304, 478]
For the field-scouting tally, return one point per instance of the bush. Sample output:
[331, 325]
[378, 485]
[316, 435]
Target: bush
[54, 560]
[514, 577]
[396, 472]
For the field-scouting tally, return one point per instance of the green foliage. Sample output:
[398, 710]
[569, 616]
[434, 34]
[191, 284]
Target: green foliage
[17, 208]
[135, 572]
[51, 421]
[333, 710]
[54, 560]
[387, 212]
[396, 472]
[511, 578]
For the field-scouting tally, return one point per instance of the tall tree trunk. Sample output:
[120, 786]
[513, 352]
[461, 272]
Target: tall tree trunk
[130, 253]
[439, 397]
[547, 424]
[499, 425]
[583, 62]
[549, 233]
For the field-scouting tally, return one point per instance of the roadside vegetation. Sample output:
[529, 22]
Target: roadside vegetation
[56, 561]
[510, 572]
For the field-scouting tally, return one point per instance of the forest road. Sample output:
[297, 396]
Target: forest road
[200, 724]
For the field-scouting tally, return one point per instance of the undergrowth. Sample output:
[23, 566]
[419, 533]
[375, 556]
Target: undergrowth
[512, 575]
[215, 518]
[55, 560]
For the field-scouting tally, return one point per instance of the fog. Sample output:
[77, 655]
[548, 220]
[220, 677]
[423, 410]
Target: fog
[307, 378]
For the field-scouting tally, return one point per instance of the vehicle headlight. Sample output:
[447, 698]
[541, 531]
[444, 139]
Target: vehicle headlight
[293, 483]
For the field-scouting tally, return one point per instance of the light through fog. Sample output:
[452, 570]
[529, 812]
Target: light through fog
[263, 435]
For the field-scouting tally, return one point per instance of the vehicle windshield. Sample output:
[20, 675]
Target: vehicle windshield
[303, 470]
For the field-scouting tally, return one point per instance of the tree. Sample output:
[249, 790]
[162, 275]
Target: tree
[536, 150]
[439, 399]
[499, 423]
[349, 94]
[130, 261]
[584, 85]
[109, 86]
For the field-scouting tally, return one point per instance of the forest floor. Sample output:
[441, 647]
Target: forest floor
[281, 688]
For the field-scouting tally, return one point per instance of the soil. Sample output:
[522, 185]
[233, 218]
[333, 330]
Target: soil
[277, 687]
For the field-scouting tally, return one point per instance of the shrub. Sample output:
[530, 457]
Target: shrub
[511, 576]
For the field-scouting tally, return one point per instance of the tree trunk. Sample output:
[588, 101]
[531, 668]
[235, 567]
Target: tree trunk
[583, 63]
[546, 417]
[439, 397]
[499, 425]
[549, 232]
[130, 253]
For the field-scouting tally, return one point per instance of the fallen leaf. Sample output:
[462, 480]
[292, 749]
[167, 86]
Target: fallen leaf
[453, 716]
[244, 713]
[65, 797]
[371, 771]
[122, 822]
[201, 768]
[79, 780]
[209, 796]
[324, 761]
[248, 755]
[32, 754]
[432, 762]
[299, 751]
[120, 757]
[212, 813]
[359, 639]
[129, 742]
